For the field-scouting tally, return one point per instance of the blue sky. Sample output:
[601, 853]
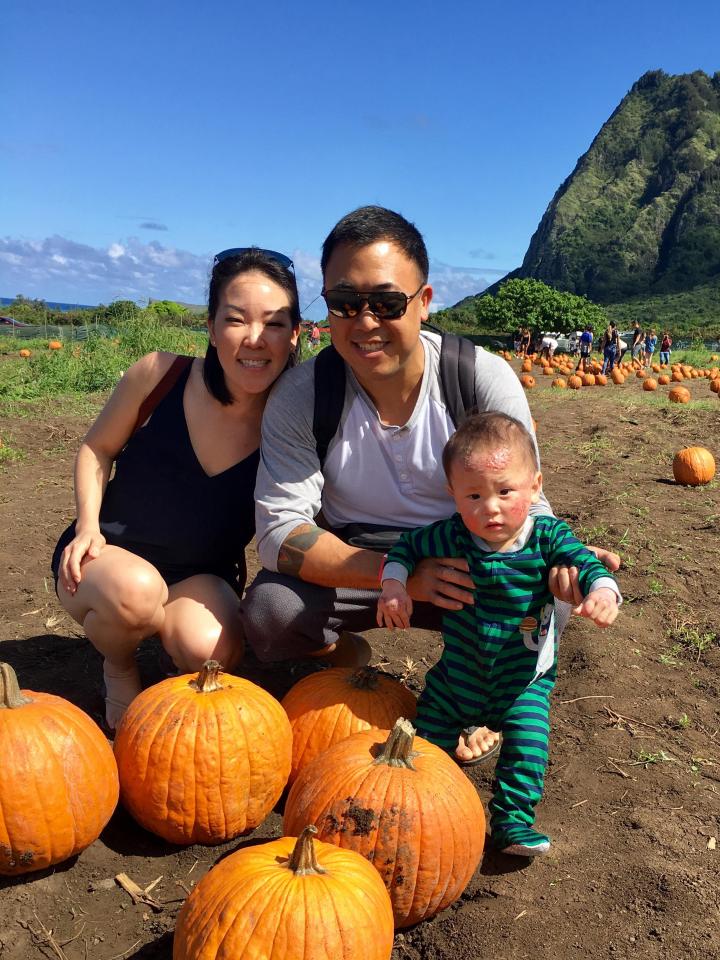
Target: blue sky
[139, 138]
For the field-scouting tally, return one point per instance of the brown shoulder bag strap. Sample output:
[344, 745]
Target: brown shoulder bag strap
[161, 389]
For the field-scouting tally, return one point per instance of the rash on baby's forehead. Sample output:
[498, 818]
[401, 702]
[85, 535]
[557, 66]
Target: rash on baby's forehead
[493, 459]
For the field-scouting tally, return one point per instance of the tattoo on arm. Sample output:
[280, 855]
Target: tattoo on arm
[292, 552]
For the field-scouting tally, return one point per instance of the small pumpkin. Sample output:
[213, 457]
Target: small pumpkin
[289, 899]
[54, 345]
[203, 758]
[679, 395]
[327, 707]
[663, 379]
[59, 782]
[649, 383]
[527, 380]
[693, 466]
[405, 805]
[575, 382]
[559, 383]
[600, 380]
[25, 353]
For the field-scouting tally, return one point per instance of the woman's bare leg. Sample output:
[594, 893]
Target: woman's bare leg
[202, 622]
[119, 602]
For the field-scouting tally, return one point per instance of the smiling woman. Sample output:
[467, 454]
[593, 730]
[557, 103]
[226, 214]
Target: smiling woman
[159, 549]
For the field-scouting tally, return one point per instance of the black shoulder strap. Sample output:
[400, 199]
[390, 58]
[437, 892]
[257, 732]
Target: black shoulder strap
[162, 389]
[457, 380]
[329, 398]
[457, 376]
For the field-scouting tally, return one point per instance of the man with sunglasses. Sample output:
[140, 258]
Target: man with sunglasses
[383, 467]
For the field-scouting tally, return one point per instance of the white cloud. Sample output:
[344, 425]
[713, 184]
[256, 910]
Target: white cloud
[60, 269]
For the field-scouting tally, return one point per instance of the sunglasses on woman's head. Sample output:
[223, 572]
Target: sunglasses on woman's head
[270, 254]
[382, 304]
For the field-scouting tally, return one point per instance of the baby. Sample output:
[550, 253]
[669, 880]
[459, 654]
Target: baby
[499, 660]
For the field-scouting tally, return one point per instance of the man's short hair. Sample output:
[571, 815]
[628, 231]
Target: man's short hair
[483, 431]
[371, 224]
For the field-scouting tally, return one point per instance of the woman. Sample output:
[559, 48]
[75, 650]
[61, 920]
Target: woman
[160, 548]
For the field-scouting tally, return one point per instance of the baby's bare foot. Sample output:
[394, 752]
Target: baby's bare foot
[474, 743]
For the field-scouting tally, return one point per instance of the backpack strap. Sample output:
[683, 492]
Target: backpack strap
[457, 376]
[329, 398]
[161, 389]
[457, 381]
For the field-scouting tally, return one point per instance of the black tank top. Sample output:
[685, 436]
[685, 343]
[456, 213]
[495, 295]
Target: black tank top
[162, 506]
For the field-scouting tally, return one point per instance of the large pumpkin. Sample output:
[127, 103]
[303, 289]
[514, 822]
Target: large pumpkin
[58, 779]
[527, 380]
[287, 900]
[649, 383]
[203, 758]
[693, 466]
[329, 706]
[575, 382]
[617, 376]
[679, 395]
[405, 805]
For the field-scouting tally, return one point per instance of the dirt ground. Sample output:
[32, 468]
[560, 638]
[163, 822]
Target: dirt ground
[632, 796]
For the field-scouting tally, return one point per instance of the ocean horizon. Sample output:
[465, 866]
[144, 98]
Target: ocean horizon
[53, 304]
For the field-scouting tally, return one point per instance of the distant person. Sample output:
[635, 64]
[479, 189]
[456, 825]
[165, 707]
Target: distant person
[517, 340]
[586, 344]
[665, 348]
[548, 346]
[650, 344]
[525, 340]
[159, 549]
[623, 348]
[315, 337]
[609, 346]
[637, 341]
[499, 660]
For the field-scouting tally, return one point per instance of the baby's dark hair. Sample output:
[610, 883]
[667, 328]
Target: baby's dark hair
[488, 430]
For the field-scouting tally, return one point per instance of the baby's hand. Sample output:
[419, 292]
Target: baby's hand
[600, 606]
[394, 606]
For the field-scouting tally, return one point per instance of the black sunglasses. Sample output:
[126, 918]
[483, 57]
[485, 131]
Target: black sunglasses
[382, 304]
[270, 254]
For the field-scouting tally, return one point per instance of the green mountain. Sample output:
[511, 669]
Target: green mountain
[640, 214]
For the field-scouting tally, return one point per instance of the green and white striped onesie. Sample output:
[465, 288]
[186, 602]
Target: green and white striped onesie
[499, 662]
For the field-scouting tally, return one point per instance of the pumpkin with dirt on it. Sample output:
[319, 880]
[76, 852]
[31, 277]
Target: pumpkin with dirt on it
[693, 466]
[405, 805]
[59, 781]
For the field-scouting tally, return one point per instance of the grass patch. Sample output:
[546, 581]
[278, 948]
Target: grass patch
[594, 450]
[9, 454]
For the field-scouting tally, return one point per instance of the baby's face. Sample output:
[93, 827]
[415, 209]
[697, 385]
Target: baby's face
[494, 491]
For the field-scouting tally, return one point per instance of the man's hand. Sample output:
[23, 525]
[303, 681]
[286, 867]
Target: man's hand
[444, 581]
[600, 606]
[563, 581]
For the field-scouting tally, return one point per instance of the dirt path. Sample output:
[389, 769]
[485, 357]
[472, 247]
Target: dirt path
[633, 789]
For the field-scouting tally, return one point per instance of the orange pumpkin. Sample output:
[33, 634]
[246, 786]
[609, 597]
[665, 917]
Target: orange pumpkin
[405, 805]
[54, 345]
[617, 377]
[677, 376]
[203, 758]
[693, 466]
[287, 900]
[715, 385]
[575, 382]
[640, 374]
[588, 379]
[59, 782]
[527, 380]
[600, 380]
[663, 379]
[526, 366]
[650, 384]
[25, 353]
[679, 395]
[330, 706]
[559, 383]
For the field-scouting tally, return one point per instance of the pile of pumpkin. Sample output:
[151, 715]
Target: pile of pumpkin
[382, 829]
[562, 368]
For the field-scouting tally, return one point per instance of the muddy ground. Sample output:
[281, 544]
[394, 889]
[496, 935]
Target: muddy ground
[633, 789]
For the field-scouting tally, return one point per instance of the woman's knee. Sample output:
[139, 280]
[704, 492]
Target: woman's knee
[131, 594]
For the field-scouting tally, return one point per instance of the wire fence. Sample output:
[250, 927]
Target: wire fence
[52, 331]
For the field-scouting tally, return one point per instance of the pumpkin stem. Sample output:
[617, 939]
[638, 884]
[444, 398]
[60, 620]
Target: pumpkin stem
[397, 751]
[365, 678]
[303, 861]
[10, 696]
[207, 681]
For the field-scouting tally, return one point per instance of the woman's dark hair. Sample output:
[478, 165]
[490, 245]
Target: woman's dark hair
[252, 259]
[486, 430]
[368, 225]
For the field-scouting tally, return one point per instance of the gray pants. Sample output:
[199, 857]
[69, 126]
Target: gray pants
[285, 618]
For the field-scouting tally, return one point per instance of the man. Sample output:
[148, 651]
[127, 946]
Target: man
[637, 340]
[384, 465]
[548, 346]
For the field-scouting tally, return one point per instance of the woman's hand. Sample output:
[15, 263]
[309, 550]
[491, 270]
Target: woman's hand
[86, 545]
[444, 581]
[563, 581]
